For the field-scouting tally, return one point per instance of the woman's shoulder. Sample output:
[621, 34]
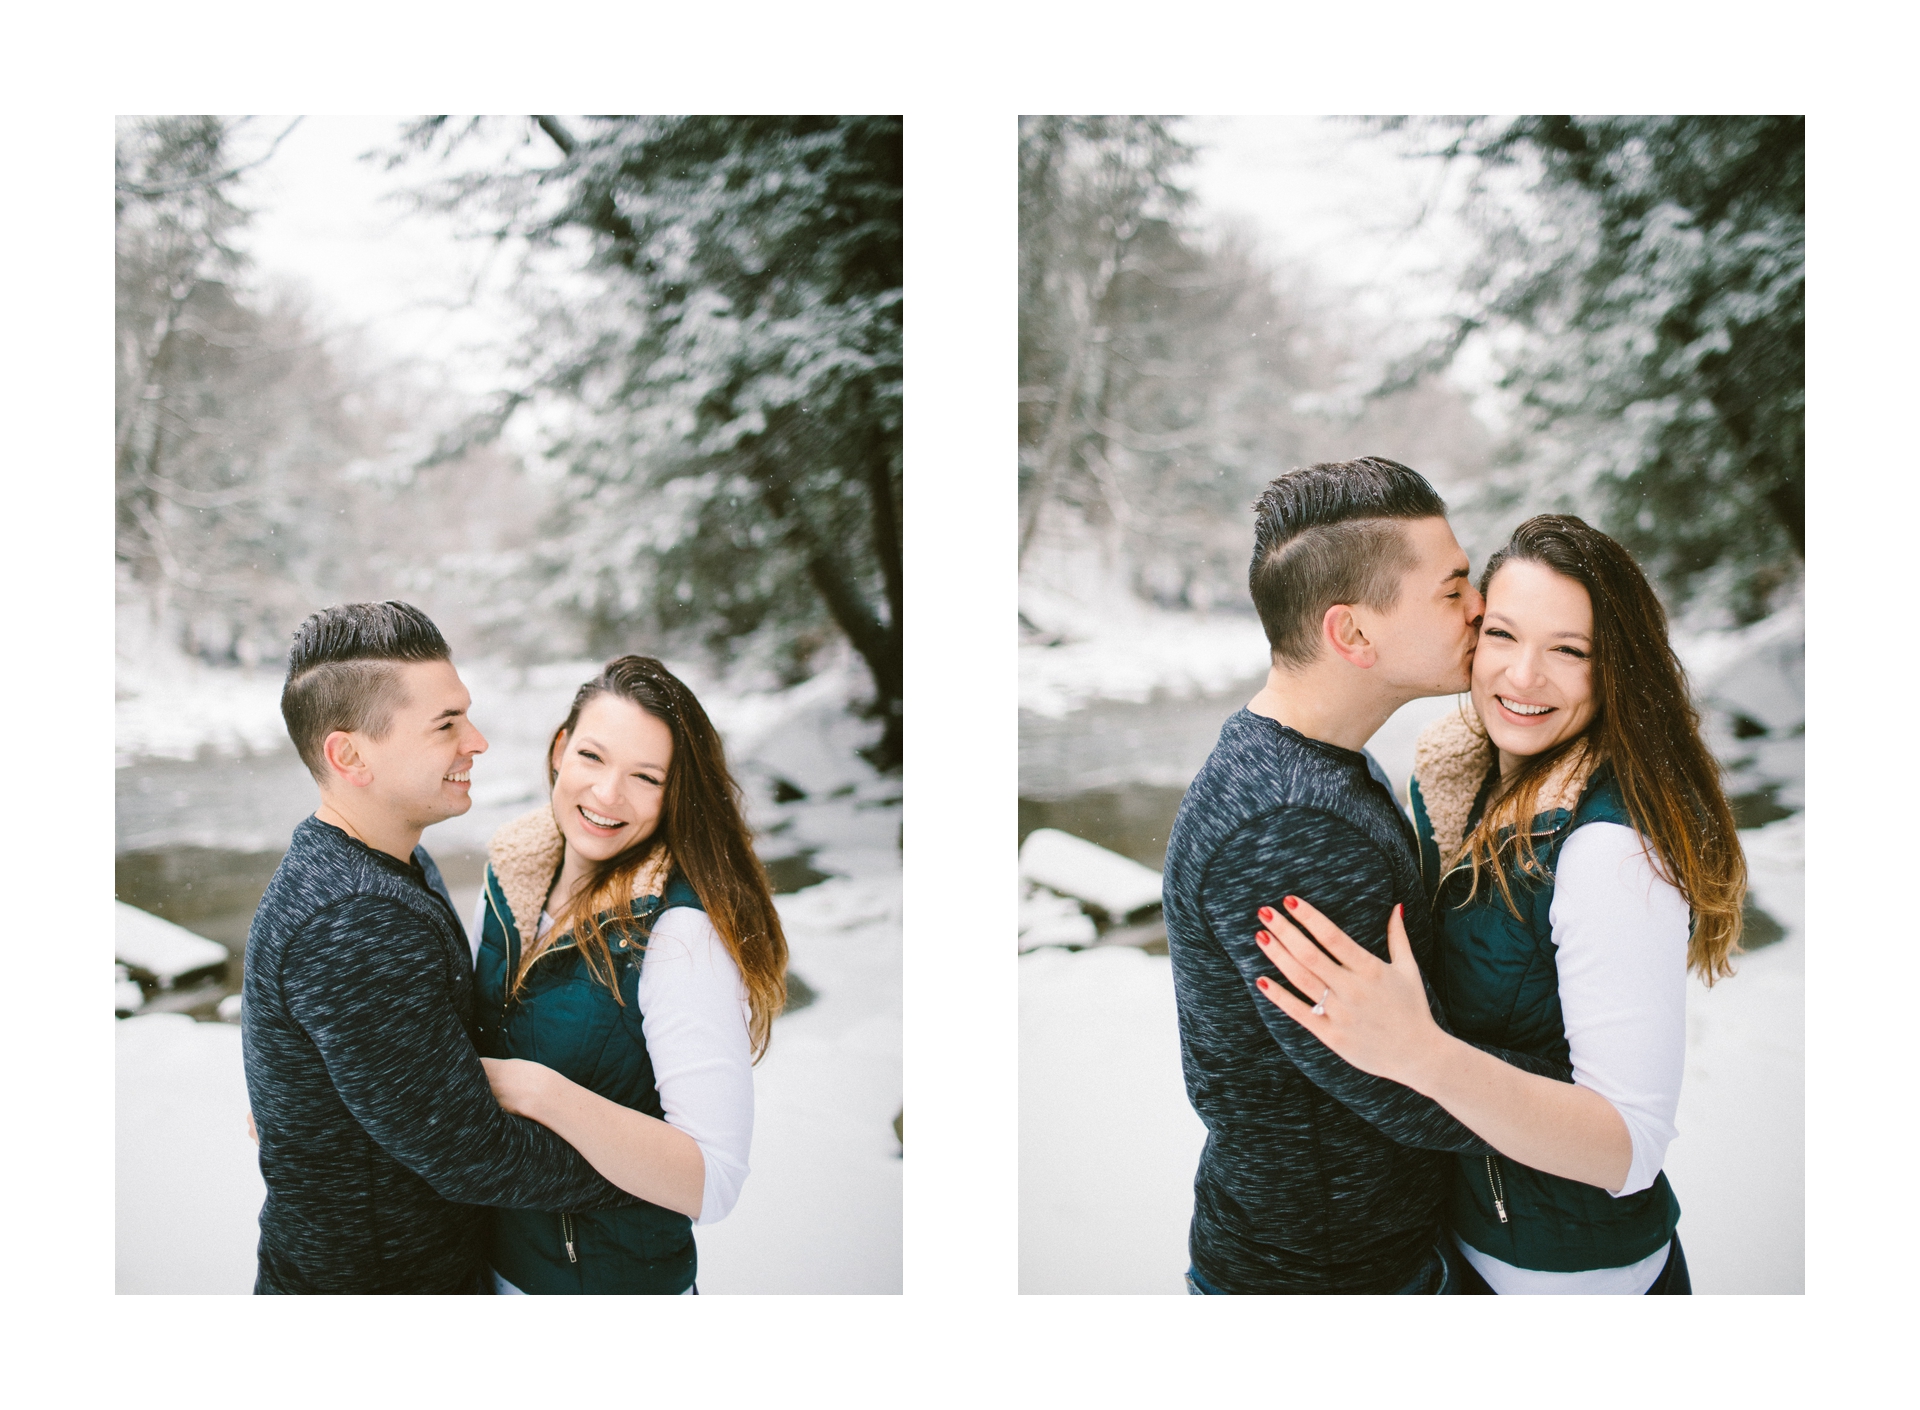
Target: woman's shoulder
[679, 894]
[1598, 799]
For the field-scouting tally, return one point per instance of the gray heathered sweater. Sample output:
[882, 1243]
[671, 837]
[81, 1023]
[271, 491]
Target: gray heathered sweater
[1315, 1177]
[379, 1136]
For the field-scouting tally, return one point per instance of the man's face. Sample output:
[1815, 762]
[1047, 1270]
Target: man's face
[1425, 643]
[421, 765]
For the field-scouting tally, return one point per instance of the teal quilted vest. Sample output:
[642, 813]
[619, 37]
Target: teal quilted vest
[1500, 984]
[568, 1020]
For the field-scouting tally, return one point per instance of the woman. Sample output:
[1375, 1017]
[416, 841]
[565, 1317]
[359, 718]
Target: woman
[628, 967]
[1582, 858]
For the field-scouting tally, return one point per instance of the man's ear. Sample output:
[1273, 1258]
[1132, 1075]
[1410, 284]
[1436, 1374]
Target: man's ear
[1346, 638]
[345, 761]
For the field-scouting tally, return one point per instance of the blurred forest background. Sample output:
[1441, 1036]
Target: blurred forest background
[576, 387]
[709, 365]
[1595, 315]
[1635, 287]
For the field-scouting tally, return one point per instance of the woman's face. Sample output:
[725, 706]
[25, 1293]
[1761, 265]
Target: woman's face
[612, 776]
[1532, 676]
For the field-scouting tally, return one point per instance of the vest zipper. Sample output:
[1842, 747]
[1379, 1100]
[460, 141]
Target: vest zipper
[1499, 1190]
[566, 1230]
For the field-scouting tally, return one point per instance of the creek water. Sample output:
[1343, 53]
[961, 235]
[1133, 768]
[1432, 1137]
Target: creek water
[1114, 772]
[197, 840]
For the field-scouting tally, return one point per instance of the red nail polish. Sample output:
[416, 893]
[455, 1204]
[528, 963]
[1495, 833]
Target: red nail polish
[1266, 913]
[1263, 985]
[1292, 903]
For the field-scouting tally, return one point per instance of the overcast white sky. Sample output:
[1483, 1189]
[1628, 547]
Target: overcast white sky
[1379, 228]
[1326, 193]
[325, 220]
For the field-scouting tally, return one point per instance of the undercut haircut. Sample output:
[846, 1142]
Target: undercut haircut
[1329, 534]
[341, 676]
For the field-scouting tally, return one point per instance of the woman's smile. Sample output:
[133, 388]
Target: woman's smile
[600, 822]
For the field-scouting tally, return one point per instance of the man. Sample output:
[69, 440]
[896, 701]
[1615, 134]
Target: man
[1317, 1177]
[379, 1136]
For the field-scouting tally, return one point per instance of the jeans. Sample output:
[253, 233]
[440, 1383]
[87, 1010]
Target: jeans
[1435, 1276]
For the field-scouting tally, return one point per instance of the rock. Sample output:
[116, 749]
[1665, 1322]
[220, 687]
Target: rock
[1114, 885]
[127, 995]
[1048, 918]
[160, 948]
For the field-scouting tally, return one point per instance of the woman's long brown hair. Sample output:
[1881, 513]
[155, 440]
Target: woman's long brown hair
[702, 829]
[1645, 725]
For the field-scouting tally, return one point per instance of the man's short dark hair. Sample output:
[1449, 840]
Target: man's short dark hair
[341, 676]
[1332, 533]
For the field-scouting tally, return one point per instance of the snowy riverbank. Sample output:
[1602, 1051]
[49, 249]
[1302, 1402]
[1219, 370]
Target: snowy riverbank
[1109, 1144]
[821, 1211]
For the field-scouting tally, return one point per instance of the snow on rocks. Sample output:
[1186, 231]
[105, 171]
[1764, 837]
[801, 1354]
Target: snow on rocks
[1759, 670]
[1751, 684]
[1048, 918]
[159, 947]
[127, 995]
[1088, 872]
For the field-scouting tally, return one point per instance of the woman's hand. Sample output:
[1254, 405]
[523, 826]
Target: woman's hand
[1372, 1014]
[520, 1086]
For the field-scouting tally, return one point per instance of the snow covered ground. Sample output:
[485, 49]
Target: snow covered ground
[1109, 1144]
[187, 1187]
[821, 1211]
[1115, 647]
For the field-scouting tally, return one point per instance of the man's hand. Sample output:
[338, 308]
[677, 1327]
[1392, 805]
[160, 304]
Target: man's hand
[521, 1087]
[1373, 1015]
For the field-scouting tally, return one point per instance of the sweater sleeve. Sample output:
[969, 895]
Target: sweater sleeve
[693, 1015]
[366, 980]
[1335, 866]
[1621, 938]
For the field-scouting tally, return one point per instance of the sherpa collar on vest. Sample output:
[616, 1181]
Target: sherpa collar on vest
[526, 853]
[1451, 759]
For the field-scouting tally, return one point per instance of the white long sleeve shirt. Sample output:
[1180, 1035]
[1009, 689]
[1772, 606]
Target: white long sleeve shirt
[693, 1014]
[1620, 933]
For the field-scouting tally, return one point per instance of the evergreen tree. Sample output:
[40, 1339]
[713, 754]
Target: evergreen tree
[1658, 282]
[727, 398]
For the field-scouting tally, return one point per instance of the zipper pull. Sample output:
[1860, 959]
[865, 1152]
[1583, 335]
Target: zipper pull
[566, 1221]
[1499, 1208]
